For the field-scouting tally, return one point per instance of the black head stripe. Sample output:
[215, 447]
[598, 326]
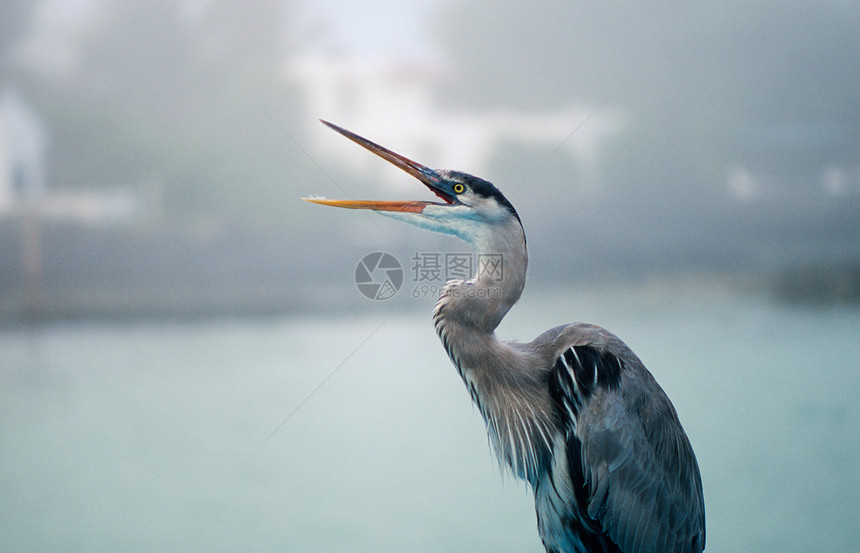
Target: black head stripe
[484, 188]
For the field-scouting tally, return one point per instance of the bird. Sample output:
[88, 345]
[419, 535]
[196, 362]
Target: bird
[574, 413]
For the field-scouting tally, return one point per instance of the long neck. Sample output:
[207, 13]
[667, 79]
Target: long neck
[469, 311]
[502, 379]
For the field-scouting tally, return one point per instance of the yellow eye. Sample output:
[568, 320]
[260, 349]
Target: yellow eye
[459, 188]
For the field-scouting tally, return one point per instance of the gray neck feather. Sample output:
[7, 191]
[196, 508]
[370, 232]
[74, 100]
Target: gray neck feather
[481, 302]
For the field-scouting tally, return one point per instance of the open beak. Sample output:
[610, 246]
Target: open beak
[428, 176]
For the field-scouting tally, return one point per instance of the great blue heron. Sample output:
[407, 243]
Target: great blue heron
[575, 412]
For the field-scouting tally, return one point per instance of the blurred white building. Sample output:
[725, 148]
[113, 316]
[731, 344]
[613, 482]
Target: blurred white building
[23, 140]
[23, 149]
[396, 103]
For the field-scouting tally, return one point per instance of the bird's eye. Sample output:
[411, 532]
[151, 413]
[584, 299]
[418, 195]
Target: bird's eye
[459, 188]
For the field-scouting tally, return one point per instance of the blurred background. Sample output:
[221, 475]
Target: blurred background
[688, 176]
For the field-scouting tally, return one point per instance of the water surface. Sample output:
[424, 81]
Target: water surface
[156, 437]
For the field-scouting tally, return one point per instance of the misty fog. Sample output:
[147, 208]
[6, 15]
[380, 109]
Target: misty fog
[175, 139]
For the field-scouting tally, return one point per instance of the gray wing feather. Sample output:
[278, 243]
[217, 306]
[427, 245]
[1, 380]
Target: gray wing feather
[643, 480]
[639, 470]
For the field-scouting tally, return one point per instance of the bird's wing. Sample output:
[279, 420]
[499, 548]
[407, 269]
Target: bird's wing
[632, 467]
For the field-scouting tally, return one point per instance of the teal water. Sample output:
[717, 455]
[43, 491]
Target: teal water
[154, 438]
